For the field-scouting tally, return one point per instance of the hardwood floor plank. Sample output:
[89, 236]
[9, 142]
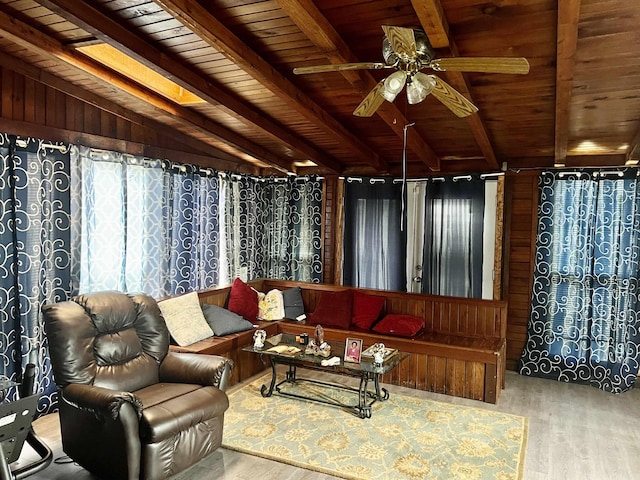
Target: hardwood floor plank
[576, 432]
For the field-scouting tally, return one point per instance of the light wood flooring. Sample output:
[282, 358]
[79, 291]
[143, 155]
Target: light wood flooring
[575, 432]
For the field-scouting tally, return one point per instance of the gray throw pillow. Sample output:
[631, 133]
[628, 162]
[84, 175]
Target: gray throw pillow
[293, 305]
[224, 322]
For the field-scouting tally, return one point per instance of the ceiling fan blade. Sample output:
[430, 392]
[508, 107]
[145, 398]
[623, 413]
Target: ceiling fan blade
[452, 99]
[402, 40]
[371, 102]
[340, 66]
[517, 65]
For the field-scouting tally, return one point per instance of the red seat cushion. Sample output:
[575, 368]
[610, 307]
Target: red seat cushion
[399, 325]
[366, 309]
[333, 310]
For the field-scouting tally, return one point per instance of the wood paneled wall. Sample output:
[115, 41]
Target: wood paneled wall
[31, 109]
[521, 221]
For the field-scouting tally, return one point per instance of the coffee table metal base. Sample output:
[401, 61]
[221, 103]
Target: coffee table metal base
[366, 398]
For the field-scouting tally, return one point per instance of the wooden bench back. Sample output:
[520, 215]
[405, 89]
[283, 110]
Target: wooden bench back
[466, 317]
[449, 315]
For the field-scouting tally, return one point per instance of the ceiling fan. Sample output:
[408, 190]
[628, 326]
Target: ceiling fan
[409, 51]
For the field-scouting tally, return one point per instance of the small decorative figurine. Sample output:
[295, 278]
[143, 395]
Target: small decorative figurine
[378, 353]
[319, 335]
[259, 336]
[322, 350]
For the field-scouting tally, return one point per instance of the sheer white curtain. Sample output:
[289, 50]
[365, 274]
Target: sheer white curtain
[416, 192]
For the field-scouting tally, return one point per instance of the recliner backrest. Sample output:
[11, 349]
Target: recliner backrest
[107, 339]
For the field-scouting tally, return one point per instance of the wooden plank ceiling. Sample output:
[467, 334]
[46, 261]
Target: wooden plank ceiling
[578, 106]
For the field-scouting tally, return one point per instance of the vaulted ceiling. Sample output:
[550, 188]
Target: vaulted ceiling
[579, 105]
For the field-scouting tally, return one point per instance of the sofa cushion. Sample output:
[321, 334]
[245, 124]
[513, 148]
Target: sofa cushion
[270, 305]
[334, 309]
[399, 325]
[184, 318]
[293, 304]
[366, 309]
[243, 300]
[223, 322]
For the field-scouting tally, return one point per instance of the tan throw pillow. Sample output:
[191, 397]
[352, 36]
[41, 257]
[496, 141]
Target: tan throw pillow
[270, 305]
[185, 320]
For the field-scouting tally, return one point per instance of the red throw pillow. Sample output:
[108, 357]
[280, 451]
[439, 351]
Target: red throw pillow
[333, 310]
[366, 309]
[399, 325]
[243, 300]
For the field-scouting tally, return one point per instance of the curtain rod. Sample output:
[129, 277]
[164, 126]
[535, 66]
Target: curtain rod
[483, 176]
[23, 144]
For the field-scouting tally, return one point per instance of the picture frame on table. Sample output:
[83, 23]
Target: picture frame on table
[353, 350]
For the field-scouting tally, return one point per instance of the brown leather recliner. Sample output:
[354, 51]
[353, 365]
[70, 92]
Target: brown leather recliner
[129, 408]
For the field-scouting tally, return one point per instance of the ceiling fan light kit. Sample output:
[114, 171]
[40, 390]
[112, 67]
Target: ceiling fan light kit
[409, 51]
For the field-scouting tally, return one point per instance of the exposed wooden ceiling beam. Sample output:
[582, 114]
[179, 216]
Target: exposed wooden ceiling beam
[317, 28]
[115, 34]
[28, 37]
[200, 21]
[433, 21]
[435, 25]
[566, 44]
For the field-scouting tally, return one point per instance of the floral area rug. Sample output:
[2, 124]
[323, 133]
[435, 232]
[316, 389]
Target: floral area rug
[406, 437]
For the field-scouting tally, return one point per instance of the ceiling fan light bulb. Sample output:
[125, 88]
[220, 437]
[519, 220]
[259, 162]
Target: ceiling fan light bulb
[393, 85]
[421, 85]
[415, 93]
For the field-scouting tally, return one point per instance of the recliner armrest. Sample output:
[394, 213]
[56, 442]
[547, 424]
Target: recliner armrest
[211, 370]
[100, 401]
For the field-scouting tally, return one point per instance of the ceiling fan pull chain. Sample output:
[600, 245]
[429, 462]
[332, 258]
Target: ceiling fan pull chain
[403, 220]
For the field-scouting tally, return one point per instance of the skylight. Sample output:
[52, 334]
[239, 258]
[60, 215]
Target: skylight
[127, 66]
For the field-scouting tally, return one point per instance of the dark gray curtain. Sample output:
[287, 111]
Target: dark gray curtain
[374, 241]
[454, 218]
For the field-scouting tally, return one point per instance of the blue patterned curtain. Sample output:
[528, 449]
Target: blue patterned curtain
[118, 217]
[147, 226]
[243, 235]
[35, 263]
[273, 227]
[584, 324]
[291, 219]
[192, 226]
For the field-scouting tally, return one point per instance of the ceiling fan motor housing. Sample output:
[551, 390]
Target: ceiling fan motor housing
[424, 50]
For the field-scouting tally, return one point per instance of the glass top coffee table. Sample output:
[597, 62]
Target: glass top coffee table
[366, 371]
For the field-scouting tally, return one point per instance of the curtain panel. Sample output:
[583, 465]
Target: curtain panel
[274, 227]
[191, 218]
[584, 324]
[453, 238]
[35, 264]
[374, 240]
